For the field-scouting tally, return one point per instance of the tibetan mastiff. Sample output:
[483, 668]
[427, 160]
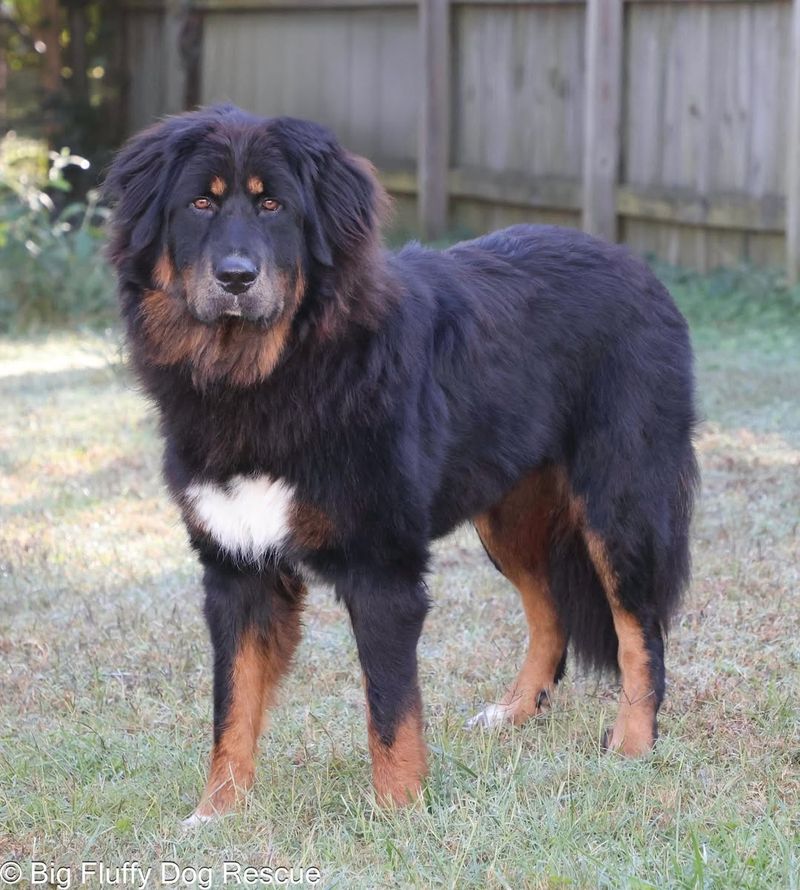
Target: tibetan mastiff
[331, 407]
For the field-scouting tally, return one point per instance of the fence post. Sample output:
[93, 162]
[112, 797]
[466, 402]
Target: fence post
[602, 118]
[174, 73]
[793, 155]
[433, 152]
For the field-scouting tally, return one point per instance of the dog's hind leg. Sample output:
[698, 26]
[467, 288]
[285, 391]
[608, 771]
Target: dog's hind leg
[254, 621]
[628, 587]
[516, 534]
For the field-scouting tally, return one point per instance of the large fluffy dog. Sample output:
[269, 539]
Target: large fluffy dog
[332, 407]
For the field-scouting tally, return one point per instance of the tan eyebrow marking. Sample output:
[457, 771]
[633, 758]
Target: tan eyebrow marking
[254, 185]
[218, 186]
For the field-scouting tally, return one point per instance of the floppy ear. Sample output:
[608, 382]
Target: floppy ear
[344, 200]
[140, 179]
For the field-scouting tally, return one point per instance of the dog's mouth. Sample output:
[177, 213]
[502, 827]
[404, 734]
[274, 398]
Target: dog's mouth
[248, 308]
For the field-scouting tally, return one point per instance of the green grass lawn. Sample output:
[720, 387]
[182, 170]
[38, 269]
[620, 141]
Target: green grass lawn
[105, 700]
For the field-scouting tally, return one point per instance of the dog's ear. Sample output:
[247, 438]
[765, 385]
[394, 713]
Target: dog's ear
[344, 202]
[140, 180]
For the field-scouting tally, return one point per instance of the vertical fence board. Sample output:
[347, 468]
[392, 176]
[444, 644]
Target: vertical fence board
[434, 124]
[705, 115]
[768, 132]
[603, 103]
[174, 72]
[524, 115]
[144, 53]
[350, 69]
[793, 155]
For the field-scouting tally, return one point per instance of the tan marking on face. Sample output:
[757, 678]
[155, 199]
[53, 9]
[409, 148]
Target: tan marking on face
[218, 186]
[239, 353]
[258, 667]
[633, 732]
[254, 185]
[398, 769]
[164, 271]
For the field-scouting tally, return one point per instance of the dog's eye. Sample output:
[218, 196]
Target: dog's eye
[270, 205]
[201, 203]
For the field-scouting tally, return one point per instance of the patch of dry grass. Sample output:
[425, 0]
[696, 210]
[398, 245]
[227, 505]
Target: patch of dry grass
[105, 673]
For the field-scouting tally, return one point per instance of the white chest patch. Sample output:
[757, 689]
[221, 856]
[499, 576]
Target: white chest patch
[248, 516]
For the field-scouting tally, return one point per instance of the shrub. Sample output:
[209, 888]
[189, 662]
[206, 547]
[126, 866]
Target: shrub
[52, 270]
[731, 299]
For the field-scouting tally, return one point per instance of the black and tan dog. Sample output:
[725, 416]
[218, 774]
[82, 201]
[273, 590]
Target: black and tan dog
[332, 407]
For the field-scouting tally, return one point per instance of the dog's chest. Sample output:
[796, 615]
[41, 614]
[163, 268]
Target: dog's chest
[247, 516]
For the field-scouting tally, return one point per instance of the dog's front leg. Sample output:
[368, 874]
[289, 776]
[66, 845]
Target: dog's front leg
[254, 623]
[387, 617]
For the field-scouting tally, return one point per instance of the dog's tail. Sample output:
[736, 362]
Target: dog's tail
[581, 602]
[653, 576]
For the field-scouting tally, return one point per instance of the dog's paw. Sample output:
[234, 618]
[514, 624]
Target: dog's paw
[631, 744]
[490, 717]
[196, 819]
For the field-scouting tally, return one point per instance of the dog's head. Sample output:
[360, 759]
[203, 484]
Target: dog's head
[222, 220]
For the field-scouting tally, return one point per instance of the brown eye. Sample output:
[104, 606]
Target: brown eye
[270, 204]
[201, 203]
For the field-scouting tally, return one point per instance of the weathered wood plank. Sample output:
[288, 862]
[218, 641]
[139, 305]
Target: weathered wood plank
[603, 102]
[400, 84]
[489, 186]
[271, 5]
[698, 3]
[400, 181]
[144, 58]
[769, 74]
[152, 5]
[720, 211]
[682, 207]
[515, 190]
[174, 72]
[518, 90]
[793, 155]
[434, 124]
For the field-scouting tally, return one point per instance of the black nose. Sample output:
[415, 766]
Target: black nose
[235, 273]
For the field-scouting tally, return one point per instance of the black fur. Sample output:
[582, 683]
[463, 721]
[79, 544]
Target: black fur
[414, 391]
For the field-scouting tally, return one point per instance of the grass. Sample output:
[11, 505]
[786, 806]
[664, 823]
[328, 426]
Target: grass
[105, 666]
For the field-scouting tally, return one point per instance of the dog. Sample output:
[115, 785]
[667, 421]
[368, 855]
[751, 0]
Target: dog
[329, 407]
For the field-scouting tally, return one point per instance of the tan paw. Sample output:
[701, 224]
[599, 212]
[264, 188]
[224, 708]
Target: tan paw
[514, 712]
[630, 741]
[197, 819]
[491, 716]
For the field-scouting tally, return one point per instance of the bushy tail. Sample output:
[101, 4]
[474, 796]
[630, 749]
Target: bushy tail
[655, 576]
[673, 563]
[582, 604]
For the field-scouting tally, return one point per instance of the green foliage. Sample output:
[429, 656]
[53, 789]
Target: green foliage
[731, 299]
[53, 271]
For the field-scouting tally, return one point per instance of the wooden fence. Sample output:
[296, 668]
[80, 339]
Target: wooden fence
[673, 125]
